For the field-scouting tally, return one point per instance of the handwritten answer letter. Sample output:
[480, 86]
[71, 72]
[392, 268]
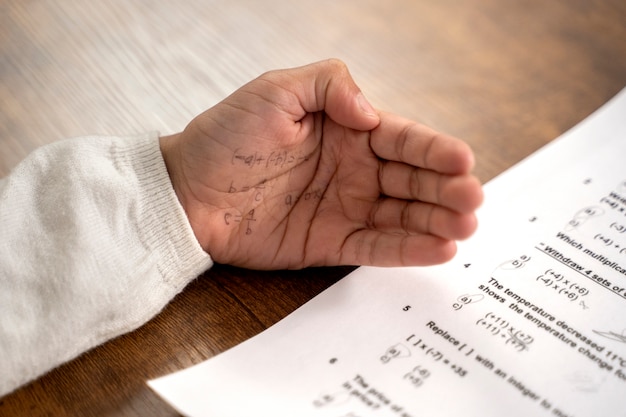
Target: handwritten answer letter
[528, 319]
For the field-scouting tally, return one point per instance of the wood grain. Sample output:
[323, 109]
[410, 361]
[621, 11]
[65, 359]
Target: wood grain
[507, 77]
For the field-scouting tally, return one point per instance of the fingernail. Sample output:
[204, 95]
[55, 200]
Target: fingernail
[365, 105]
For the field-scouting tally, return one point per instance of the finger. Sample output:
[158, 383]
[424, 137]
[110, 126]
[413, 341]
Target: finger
[399, 139]
[461, 193]
[401, 216]
[327, 86]
[368, 247]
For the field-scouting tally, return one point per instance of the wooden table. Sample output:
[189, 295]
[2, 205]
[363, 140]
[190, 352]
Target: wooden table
[506, 76]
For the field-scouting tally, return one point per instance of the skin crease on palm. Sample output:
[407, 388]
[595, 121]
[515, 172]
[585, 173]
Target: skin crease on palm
[297, 169]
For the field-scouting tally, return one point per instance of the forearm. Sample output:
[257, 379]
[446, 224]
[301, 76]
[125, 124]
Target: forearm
[94, 244]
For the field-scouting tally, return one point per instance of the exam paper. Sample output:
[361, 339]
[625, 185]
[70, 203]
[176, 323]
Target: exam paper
[528, 319]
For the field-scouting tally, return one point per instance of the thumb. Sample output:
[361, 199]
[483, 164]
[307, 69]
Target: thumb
[328, 86]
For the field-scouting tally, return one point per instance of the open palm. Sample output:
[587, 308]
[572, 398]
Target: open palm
[296, 169]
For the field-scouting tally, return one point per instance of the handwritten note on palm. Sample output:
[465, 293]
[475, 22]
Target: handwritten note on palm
[528, 319]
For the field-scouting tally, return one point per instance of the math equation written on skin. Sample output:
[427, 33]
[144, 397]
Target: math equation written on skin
[528, 320]
[256, 193]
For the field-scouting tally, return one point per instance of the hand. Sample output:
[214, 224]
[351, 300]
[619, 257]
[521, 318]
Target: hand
[296, 169]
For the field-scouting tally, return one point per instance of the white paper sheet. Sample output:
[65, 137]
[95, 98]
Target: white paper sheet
[528, 319]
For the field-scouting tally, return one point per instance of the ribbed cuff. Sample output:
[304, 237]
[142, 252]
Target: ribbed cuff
[165, 229]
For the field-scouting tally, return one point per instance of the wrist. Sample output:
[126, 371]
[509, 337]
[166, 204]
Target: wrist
[194, 210]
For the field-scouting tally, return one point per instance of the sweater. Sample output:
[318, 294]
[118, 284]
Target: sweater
[94, 243]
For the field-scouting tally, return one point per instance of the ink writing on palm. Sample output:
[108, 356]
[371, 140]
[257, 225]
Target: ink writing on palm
[277, 177]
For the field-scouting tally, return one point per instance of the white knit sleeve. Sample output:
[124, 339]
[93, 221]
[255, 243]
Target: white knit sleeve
[93, 243]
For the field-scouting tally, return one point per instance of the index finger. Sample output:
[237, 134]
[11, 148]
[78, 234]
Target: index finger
[402, 140]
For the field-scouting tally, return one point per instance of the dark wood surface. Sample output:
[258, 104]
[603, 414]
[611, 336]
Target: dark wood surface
[506, 76]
